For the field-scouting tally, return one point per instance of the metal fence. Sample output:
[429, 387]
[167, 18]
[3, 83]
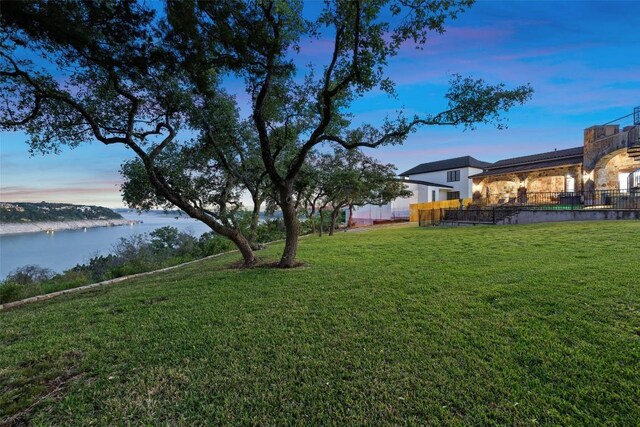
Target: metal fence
[596, 199]
[483, 211]
[477, 216]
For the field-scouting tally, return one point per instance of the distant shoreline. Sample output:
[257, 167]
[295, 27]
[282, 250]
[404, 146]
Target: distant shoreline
[52, 226]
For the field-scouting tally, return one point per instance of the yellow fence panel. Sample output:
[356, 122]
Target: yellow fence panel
[443, 204]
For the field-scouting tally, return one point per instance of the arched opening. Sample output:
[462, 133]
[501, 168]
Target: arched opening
[614, 171]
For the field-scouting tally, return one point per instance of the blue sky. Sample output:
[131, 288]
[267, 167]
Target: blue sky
[581, 57]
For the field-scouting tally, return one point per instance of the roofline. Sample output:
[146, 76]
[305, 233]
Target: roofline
[492, 172]
[486, 164]
[567, 156]
[427, 183]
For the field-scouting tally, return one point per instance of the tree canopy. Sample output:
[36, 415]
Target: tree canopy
[121, 72]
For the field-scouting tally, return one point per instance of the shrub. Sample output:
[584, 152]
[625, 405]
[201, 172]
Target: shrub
[99, 267]
[9, 291]
[211, 244]
[270, 230]
[30, 274]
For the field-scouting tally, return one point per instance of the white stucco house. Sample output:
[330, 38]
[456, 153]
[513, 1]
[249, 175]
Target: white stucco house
[429, 182]
[453, 174]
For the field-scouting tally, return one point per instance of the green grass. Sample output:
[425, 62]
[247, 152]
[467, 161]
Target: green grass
[511, 325]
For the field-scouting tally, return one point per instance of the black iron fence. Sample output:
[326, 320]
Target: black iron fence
[596, 199]
[484, 211]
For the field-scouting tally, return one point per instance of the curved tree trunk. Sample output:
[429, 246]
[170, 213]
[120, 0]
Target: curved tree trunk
[243, 246]
[292, 230]
[232, 234]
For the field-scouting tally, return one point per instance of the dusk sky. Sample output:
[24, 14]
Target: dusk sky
[581, 57]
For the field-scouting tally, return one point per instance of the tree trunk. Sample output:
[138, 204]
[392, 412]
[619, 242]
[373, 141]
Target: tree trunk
[292, 230]
[334, 219]
[244, 246]
[235, 236]
[312, 218]
[253, 227]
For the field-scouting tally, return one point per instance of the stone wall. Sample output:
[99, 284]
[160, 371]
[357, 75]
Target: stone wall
[536, 216]
[538, 181]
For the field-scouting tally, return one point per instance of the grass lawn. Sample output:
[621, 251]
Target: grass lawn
[504, 325]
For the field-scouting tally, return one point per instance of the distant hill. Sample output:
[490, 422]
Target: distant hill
[43, 211]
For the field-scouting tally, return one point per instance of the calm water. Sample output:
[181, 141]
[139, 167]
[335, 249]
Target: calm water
[64, 249]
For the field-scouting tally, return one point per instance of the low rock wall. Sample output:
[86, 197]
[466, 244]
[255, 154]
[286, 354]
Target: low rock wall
[536, 216]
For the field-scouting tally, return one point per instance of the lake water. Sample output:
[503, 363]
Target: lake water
[64, 249]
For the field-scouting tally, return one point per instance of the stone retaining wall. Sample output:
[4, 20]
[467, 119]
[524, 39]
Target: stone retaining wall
[537, 216]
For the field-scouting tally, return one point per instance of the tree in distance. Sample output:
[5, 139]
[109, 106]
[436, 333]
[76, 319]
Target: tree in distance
[347, 179]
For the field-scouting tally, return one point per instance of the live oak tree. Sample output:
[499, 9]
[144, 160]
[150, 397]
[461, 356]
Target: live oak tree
[356, 179]
[304, 108]
[73, 72]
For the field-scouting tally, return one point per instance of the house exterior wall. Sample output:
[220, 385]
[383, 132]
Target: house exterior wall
[506, 186]
[464, 186]
[399, 208]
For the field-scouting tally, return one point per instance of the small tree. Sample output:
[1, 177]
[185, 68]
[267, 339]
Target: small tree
[358, 180]
[312, 185]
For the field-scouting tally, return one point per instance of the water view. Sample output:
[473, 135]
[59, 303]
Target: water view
[64, 249]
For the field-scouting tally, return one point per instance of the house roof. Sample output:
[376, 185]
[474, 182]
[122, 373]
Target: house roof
[441, 165]
[567, 157]
[417, 181]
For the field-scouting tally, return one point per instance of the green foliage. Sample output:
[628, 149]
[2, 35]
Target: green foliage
[29, 274]
[9, 291]
[211, 244]
[163, 247]
[43, 211]
[119, 72]
[393, 326]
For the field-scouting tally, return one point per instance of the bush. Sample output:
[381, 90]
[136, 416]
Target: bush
[30, 274]
[9, 291]
[136, 254]
[211, 244]
[99, 267]
[270, 230]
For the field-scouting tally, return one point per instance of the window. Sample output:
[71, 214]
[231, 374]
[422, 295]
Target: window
[569, 184]
[453, 176]
[453, 195]
[433, 195]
